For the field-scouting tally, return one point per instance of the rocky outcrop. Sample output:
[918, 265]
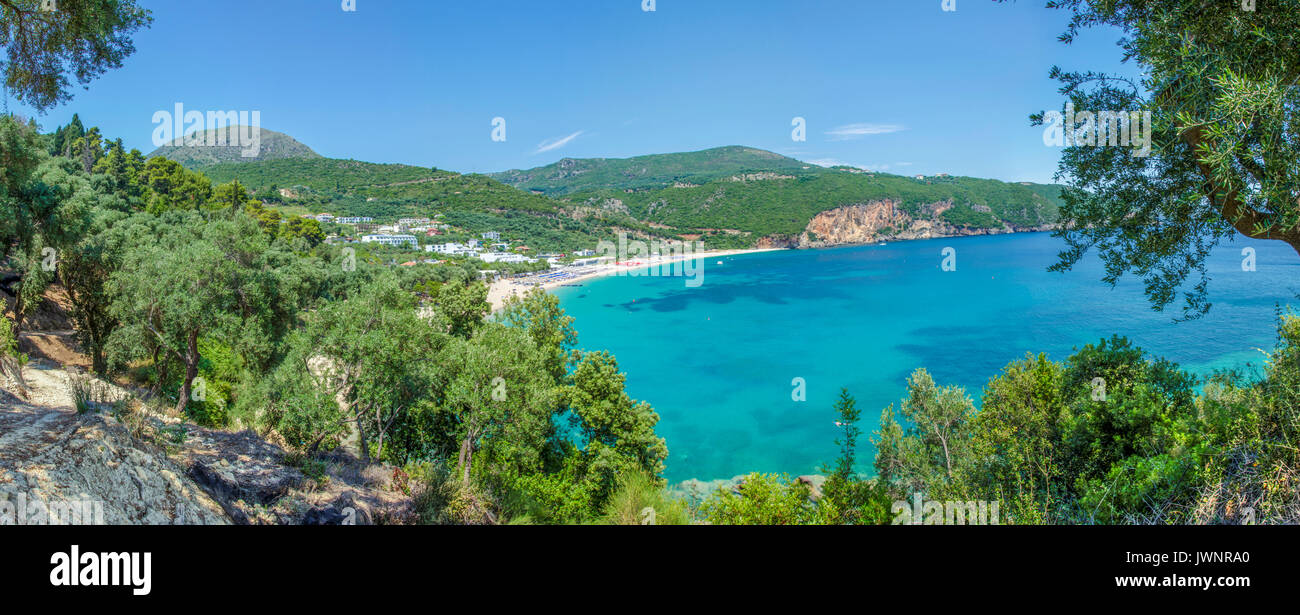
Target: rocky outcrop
[238, 466]
[133, 466]
[778, 242]
[855, 224]
[60, 467]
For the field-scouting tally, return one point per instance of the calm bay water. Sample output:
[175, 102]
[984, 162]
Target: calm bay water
[717, 361]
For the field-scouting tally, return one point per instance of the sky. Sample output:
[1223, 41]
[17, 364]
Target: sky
[900, 86]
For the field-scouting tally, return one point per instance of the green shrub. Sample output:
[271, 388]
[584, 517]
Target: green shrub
[763, 499]
[636, 496]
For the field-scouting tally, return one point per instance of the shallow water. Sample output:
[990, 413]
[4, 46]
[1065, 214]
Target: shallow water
[717, 361]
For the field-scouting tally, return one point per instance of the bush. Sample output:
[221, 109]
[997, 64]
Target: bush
[763, 499]
[636, 496]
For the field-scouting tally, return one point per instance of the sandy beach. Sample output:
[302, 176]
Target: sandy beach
[502, 289]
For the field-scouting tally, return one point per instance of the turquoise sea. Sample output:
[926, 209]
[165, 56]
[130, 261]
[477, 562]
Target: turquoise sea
[717, 360]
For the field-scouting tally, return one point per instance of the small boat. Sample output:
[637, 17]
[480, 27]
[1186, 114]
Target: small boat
[719, 262]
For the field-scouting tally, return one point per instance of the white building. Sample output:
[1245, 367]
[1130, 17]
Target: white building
[492, 235]
[408, 222]
[505, 257]
[355, 220]
[324, 218]
[451, 249]
[392, 240]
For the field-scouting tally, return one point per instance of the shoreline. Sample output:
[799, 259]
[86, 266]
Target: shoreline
[503, 289]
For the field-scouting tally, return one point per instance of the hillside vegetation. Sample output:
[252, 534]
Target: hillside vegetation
[731, 197]
[763, 193]
[785, 205]
[645, 172]
[387, 192]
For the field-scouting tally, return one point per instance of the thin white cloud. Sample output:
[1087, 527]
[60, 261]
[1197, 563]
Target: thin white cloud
[830, 162]
[888, 166]
[548, 145]
[857, 131]
[835, 162]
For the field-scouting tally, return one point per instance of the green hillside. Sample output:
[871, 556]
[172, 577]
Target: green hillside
[712, 193]
[645, 172]
[378, 190]
[785, 206]
[386, 192]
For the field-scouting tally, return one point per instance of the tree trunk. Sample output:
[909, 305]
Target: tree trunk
[20, 311]
[947, 458]
[466, 456]
[191, 371]
[97, 362]
[159, 373]
[379, 422]
[1244, 218]
[365, 444]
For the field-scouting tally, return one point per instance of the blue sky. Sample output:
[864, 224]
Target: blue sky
[894, 85]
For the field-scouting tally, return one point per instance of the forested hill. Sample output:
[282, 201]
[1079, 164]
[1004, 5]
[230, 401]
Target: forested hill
[729, 196]
[386, 192]
[773, 204]
[378, 190]
[761, 193]
[645, 172]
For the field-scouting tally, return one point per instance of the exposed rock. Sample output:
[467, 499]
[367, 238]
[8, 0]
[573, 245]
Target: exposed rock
[883, 220]
[860, 223]
[56, 465]
[238, 466]
[347, 509]
[771, 242]
[60, 467]
[814, 482]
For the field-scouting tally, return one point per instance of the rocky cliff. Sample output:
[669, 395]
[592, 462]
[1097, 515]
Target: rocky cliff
[881, 221]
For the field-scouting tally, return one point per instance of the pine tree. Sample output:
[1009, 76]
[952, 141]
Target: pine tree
[846, 408]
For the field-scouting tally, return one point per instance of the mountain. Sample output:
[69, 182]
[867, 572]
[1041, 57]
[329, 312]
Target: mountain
[271, 146]
[644, 172]
[730, 197]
